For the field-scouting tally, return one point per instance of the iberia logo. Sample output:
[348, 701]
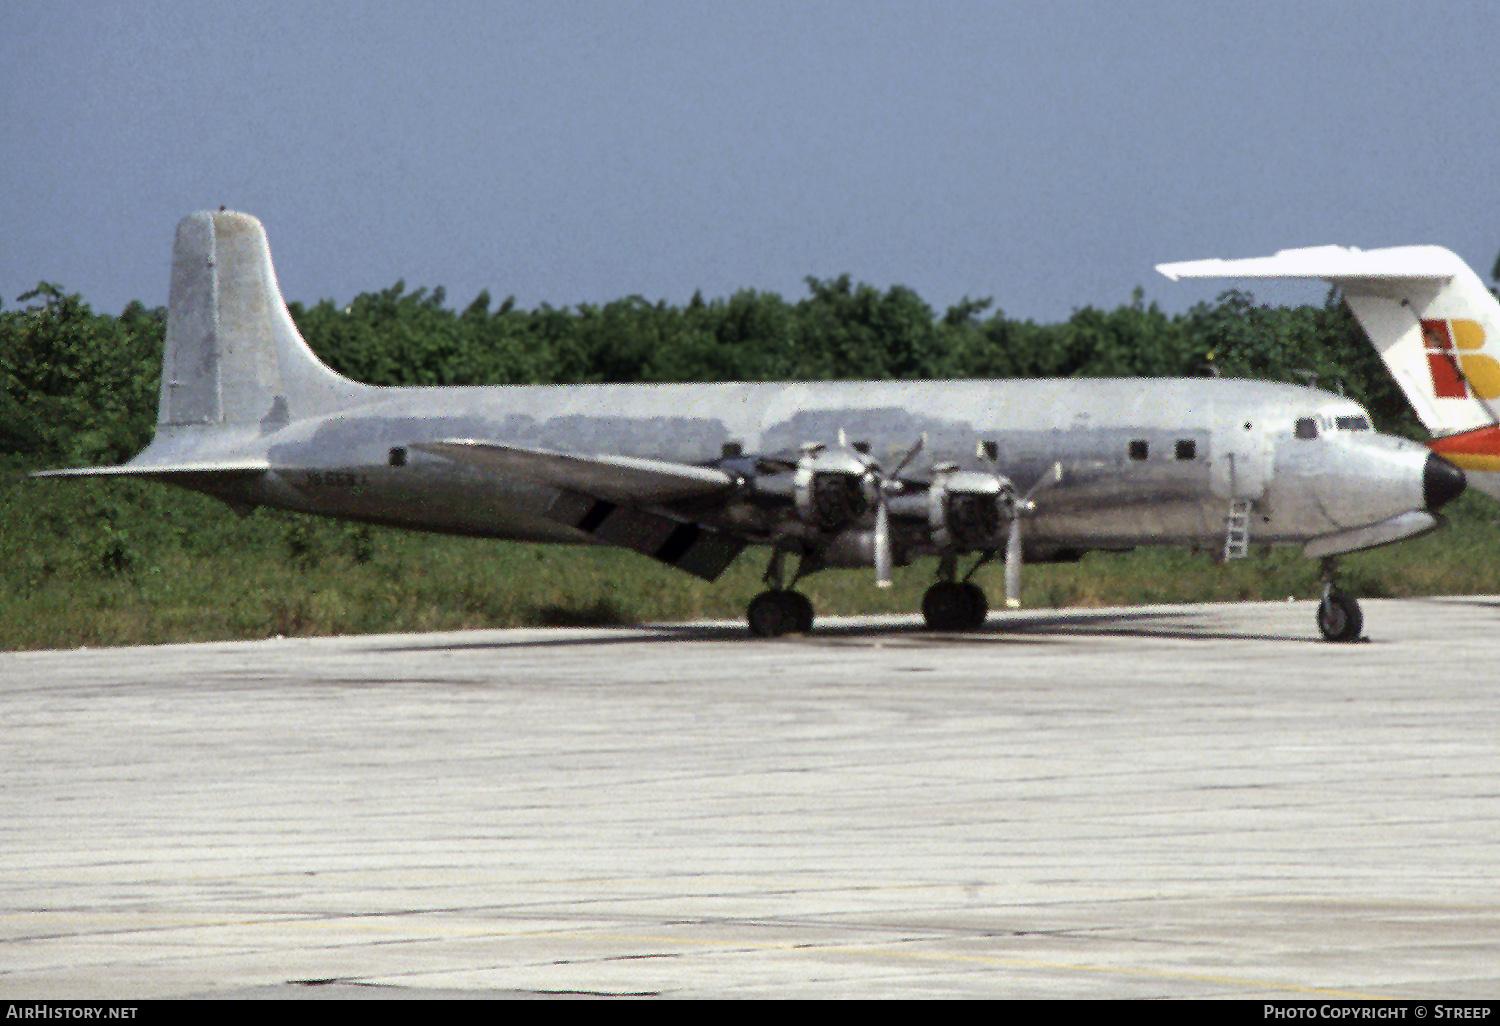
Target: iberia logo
[1457, 365]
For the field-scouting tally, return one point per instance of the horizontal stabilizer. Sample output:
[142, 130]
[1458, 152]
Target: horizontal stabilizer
[163, 469]
[1331, 262]
[1431, 319]
[620, 479]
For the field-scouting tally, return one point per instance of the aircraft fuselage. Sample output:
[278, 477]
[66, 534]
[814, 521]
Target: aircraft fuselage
[1143, 461]
[835, 473]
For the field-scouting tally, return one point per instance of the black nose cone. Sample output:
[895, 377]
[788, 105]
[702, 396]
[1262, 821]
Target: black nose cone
[1441, 482]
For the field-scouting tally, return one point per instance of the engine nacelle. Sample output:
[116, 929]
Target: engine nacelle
[968, 509]
[833, 488]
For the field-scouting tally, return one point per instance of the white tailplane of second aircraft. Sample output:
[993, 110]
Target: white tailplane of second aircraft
[1434, 324]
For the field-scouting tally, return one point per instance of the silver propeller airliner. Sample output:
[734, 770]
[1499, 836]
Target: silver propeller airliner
[848, 473]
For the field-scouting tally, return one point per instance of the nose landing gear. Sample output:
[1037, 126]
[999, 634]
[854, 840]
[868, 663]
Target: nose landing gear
[1339, 616]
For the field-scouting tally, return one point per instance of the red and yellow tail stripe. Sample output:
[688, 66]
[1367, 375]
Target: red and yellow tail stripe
[1471, 450]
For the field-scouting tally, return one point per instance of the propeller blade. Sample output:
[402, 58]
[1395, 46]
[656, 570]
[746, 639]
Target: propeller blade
[1053, 476]
[911, 454]
[882, 543]
[1013, 564]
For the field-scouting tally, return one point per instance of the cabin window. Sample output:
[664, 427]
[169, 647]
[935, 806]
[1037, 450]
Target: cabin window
[1352, 423]
[1139, 450]
[1187, 449]
[1307, 427]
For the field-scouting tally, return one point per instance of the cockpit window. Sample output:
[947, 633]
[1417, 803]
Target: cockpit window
[1352, 423]
[1307, 427]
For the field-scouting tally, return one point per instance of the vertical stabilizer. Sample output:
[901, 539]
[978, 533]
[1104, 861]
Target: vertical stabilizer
[1427, 313]
[233, 355]
[190, 363]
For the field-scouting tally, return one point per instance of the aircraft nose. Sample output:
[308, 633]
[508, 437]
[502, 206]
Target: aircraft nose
[1441, 482]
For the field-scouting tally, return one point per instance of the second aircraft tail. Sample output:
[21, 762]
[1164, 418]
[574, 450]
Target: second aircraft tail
[1430, 317]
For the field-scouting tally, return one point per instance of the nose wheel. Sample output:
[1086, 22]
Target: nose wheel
[1339, 616]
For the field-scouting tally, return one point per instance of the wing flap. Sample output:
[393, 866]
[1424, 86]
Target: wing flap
[688, 547]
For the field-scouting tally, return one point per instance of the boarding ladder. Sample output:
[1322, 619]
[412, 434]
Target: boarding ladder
[1237, 538]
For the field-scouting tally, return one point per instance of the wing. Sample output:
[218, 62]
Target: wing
[615, 478]
[602, 496]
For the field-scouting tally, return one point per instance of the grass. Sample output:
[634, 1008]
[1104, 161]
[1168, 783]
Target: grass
[102, 563]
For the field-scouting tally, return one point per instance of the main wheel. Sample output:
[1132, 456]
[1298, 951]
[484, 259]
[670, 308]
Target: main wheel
[979, 605]
[1339, 617]
[774, 613]
[948, 606]
[803, 608]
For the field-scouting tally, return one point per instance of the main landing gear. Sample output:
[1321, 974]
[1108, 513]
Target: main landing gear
[779, 610]
[953, 605]
[1339, 617]
[949, 605]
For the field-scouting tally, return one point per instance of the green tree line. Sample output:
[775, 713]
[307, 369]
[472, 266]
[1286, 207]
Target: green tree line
[80, 387]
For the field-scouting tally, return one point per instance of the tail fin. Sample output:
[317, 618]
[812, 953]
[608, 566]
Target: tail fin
[1434, 323]
[233, 356]
[234, 367]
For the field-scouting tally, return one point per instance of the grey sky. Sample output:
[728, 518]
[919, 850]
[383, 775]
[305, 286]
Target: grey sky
[1048, 155]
